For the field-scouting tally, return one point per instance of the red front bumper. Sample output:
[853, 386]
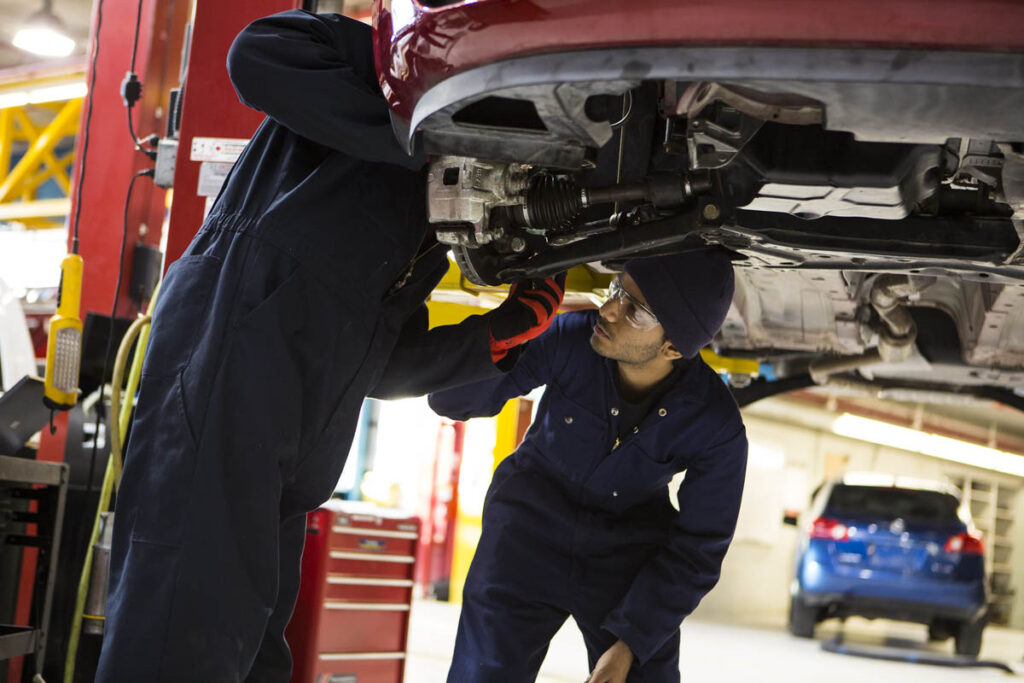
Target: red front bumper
[417, 47]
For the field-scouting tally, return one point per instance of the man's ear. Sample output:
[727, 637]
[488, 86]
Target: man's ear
[670, 352]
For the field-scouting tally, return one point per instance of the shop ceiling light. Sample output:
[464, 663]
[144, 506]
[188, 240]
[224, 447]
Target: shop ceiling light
[17, 98]
[954, 450]
[58, 93]
[44, 34]
[50, 93]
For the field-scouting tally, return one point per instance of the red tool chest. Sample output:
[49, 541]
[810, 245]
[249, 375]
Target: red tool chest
[351, 619]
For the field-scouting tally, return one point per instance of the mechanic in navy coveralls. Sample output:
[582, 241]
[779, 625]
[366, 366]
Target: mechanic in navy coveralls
[578, 520]
[302, 293]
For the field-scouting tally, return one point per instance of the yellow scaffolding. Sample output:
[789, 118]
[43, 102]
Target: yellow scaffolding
[36, 116]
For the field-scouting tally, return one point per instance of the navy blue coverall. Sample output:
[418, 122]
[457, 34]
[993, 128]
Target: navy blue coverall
[576, 523]
[283, 314]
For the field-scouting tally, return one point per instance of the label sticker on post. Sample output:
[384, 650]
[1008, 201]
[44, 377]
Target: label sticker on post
[211, 177]
[222, 150]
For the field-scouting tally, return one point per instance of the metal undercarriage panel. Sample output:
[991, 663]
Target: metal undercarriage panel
[875, 197]
[779, 311]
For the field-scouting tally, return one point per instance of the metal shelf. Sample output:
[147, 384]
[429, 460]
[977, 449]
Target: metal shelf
[28, 471]
[17, 641]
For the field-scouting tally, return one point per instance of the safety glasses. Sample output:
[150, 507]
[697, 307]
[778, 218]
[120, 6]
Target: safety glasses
[632, 310]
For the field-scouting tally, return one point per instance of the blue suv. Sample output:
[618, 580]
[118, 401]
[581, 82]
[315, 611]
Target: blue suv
[903, 550]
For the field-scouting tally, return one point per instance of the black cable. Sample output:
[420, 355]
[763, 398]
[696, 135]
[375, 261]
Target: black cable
[110, 336]
[131, 90]
[81, 169]
[135, 41]
[86, 129]
[131, 87]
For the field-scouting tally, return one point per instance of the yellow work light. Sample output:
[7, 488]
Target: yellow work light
[64, 346]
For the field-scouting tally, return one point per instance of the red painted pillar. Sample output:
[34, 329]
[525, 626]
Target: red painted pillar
[437, 533]
[211, 108]
[98, 194]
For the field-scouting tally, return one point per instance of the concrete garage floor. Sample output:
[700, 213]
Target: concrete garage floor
[726, 652]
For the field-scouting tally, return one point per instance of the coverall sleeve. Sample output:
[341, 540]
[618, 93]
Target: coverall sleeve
[486, 398]
[315, 75]
[426, 360]
[670, 586]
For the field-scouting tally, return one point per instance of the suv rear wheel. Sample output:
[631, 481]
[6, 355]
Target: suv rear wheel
[968, 637]
[802, 618]
[941, 630]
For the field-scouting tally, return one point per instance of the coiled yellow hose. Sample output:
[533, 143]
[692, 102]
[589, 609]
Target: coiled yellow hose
[120, 416]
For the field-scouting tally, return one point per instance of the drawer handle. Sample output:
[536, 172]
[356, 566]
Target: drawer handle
[343, 656]
[383, 533]
[371, 557]
[359, 581]
[372, 606]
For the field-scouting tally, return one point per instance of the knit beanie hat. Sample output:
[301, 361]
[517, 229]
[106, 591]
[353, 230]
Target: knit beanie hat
[690, 293]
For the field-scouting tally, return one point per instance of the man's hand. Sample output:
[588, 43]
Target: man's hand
[525, 314]
[613, 667]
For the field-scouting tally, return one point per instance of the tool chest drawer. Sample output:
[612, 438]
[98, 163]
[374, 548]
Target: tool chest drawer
[351, 619]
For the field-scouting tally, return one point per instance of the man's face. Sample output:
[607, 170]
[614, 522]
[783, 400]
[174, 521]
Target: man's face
[615, 338]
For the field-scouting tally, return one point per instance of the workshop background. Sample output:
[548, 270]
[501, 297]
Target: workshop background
[404, 457]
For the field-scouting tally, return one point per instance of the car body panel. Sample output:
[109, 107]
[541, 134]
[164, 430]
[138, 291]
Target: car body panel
[914, 106]
[417, 46]
[883, 559]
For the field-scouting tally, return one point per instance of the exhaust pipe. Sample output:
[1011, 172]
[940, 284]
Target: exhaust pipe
[896, 335]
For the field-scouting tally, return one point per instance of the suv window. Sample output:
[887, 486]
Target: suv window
[891, 503]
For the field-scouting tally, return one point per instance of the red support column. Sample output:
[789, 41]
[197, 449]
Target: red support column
[98, 195]
[211, 108]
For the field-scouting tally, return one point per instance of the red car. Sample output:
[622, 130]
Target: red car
[864, 160]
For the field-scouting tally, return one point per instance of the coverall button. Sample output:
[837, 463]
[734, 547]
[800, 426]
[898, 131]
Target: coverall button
[568, 419]
[662, 412]
[636, 429]
[615, 411]
[615, 493]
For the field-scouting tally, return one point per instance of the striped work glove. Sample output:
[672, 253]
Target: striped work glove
[528, 311]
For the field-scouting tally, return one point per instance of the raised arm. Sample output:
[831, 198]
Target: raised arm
[314, 74]
[478, 348]
[533, 368]
[431, 360]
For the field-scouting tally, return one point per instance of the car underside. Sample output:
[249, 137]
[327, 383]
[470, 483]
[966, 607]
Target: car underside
[872, 200]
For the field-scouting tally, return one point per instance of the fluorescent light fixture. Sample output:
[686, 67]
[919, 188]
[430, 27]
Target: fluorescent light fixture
[58, 93]
[51, 93]
[953, 450]
[44, 34]
[17, 98]
[43, 41]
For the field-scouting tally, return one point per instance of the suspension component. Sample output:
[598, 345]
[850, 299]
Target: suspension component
[552, 202]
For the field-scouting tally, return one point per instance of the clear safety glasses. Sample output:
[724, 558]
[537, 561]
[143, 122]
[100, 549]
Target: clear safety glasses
[634, 312]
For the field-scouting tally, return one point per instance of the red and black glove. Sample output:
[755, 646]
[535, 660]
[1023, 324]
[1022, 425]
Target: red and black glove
[528, 311]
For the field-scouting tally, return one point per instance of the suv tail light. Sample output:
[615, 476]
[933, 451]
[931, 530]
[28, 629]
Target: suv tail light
[965, 543]
[832, 529]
